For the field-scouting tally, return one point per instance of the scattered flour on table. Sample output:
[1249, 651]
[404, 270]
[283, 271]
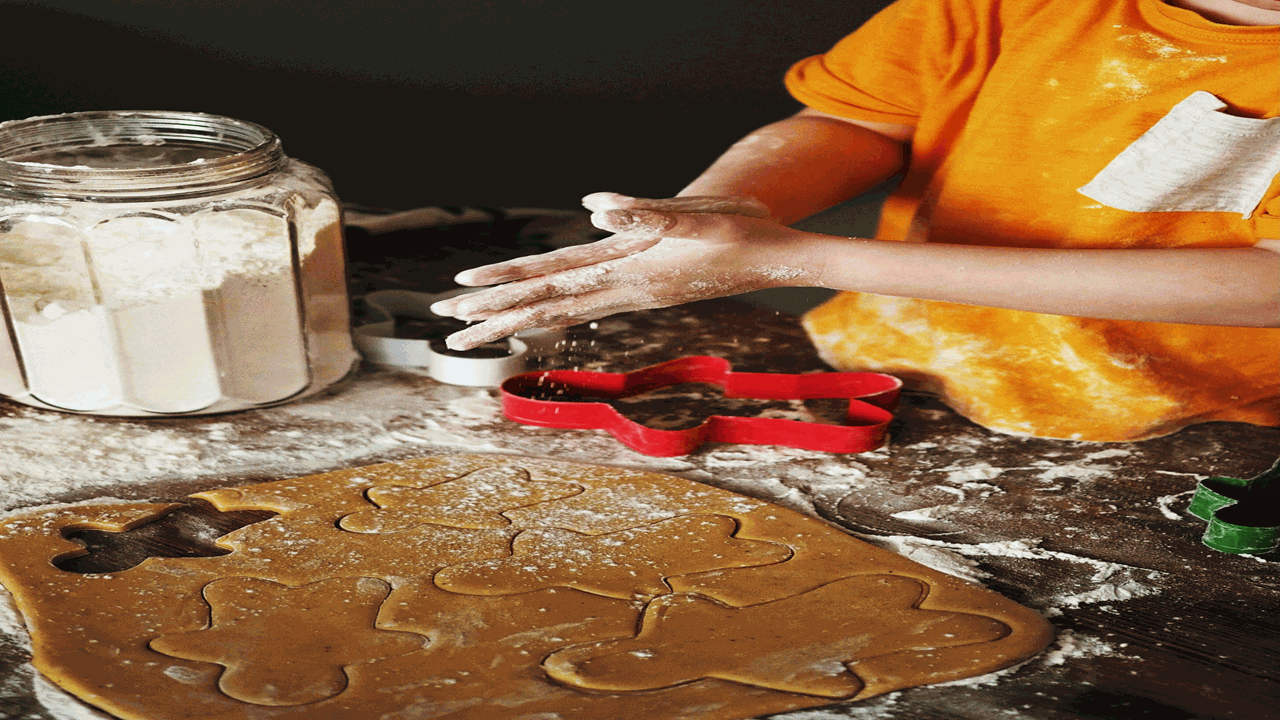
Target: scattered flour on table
[62, 705]
[1100, 583]
[1069, 645]
[11, 624]
[971, 472]
[933, 512]
[812, 479]
[50, 457]
[1165, 504]
[932, 554]
[964, 480]
[1103, 582]
[883, 707]
[1087, 468]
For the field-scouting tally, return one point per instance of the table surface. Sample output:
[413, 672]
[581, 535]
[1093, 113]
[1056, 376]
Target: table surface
[1150, 623]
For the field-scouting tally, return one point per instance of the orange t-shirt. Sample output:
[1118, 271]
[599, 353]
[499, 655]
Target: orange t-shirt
[1017, 104]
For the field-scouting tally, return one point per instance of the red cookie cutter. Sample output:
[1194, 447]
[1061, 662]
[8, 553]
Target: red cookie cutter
[872, 399]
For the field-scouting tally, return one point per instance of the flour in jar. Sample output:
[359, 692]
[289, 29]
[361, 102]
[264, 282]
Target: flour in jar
[124, 308]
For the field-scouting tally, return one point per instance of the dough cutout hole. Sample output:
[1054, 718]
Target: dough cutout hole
[190, 530]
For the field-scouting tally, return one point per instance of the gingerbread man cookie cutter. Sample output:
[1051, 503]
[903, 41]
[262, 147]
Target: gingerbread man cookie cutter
[1243, 515]
[872, 398]
[378, 343]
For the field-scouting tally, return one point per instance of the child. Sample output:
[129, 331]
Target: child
[1084, 243]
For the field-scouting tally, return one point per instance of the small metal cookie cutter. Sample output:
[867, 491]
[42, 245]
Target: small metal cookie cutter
[378, 343]
[872, 399]
[1243, 515]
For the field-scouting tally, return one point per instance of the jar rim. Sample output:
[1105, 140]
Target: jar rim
[226, 151]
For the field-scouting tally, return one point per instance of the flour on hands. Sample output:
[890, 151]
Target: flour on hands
[666, 252]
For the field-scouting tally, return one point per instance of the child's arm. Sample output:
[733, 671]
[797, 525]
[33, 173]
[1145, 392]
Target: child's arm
[666, 255]
[805, 164]
[1201, 286]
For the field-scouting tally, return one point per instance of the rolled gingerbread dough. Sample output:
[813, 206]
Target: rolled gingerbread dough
[469, 586]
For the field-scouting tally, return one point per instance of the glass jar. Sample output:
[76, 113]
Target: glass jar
[165, 263]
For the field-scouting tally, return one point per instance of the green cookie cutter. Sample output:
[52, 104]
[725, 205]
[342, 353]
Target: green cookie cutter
[1243, 515]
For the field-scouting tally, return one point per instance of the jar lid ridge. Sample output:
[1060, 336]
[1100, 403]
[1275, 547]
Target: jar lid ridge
[133, 155]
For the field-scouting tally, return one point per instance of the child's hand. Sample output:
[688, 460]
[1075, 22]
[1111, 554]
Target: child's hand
[666, 252]
[617, 246]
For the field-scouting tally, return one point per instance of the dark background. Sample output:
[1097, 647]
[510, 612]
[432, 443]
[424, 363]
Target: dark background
[438, 102]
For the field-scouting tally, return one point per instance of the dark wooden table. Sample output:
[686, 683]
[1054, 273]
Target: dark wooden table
[1151, 624]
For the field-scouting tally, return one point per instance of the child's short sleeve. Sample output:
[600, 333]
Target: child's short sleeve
[887, 70]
